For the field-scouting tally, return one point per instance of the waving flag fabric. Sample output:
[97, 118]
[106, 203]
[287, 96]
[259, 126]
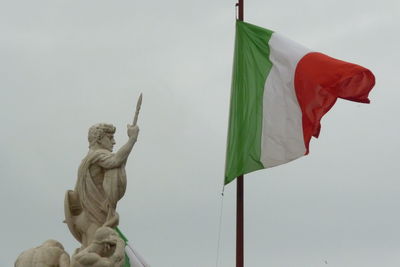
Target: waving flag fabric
[280, 92]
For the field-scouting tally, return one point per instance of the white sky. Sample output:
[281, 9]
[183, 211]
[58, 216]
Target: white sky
[66, 65]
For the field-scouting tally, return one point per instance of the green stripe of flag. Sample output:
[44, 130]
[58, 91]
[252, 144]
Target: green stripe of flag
[126, 262]
[250, 70]
[121, 234]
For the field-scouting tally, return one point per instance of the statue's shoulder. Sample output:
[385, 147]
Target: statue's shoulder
[96, 155]
[101, 151]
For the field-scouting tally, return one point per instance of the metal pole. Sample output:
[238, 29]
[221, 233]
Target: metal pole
[239, 223]
[239, 194]
[241, 9]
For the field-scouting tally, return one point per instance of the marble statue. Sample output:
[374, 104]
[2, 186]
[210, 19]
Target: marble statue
[91, 208]
[100, 185]
[51, 253]
[106, 249]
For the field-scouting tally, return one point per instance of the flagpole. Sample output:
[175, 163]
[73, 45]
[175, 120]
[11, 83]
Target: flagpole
[239, 223]
[240, 6]
[240, 192]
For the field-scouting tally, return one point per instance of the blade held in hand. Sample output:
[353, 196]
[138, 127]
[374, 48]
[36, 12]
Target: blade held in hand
[138, 105]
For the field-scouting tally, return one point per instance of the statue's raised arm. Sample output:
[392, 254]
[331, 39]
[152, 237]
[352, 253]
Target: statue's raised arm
[132, 130]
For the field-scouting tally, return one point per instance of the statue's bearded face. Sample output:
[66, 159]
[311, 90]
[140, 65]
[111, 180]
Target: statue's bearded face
[107, 142]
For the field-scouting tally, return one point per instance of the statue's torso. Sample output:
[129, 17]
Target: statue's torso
[97, 174]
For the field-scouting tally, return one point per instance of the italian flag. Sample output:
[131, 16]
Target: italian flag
[280, 92]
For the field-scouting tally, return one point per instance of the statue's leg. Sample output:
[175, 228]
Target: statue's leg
[89, 234]
[86, 228]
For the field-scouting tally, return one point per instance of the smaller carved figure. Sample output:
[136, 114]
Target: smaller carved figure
[107, 249]
[50, 254]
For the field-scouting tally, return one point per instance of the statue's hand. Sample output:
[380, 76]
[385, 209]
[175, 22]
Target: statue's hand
[133, 131]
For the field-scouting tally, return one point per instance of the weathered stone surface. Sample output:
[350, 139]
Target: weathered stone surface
[51, 253]
[100, 185]
[105, 250]
[90, 209]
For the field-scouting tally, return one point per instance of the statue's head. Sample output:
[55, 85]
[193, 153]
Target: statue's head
[101, 135]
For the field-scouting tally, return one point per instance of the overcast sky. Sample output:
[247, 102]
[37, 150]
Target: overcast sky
[65, 65]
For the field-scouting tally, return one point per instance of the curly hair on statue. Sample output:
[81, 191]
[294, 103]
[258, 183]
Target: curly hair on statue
[97, 132]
